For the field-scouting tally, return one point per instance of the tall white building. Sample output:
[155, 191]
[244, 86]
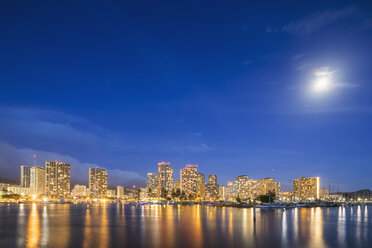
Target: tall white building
[37, 180]
[120, 192]
[25, 176]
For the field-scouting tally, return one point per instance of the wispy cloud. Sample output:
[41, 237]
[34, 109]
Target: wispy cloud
[58, 136]
[199, 148]
[316, 21]
[12, 157]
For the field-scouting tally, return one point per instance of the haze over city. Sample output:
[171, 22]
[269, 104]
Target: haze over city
[260, 89]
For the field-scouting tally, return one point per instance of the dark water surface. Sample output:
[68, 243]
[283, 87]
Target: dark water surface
[117, 225]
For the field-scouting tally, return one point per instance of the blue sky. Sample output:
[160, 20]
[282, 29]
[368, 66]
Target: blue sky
[226, 85]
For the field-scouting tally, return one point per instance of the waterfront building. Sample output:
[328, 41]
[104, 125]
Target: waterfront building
[243, 187]
[25, 176]
[79, 191]
[211, 189]
[151, 180]
[306, 188]
[253, 188]
[200, 187]
[212, 179]
[222, 190]
[131, 193]
[188, 180]
[165, 177]
[268, 185]
[144, 193]
[97, 182]
[285, 196]
[57, 179]
[111, 193]
[19, 190]
[37, 180]
[232, 190]
[120, 192]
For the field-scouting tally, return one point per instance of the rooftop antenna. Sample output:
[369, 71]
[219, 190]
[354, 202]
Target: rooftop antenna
[34, 159]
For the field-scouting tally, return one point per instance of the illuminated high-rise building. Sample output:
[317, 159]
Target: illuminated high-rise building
[37, 180]
[120, 192]
[268, 185]
[200, 191]
[151, 180]
[165, 177]
[212, 179]
[25, 176]
[57, 179]
[97, 182]
[211, 189]
[243, 187]
[232, 190]
[306, 188]
[79, 191]
[222, 190]
[188, 179]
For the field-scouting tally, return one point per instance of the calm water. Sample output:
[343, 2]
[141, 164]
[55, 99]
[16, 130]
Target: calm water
[107, 225]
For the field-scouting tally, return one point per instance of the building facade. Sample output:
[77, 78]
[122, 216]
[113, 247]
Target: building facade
[97, 182]
[37, 180]
[57, 179]
[306, 188]
[200, 188]
[211, 189]
[165, 177]
[25, 176]
[268, 185]
[79, 191]
[151, 180]
[188, 179]
[120, 192]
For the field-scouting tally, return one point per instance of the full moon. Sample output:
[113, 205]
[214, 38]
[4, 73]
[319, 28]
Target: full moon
[322, 81]
[322, 84]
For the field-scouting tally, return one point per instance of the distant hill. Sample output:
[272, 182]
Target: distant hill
[3, 180]
[363, 193]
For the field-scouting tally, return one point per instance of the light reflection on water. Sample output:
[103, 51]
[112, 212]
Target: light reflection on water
[105, 225]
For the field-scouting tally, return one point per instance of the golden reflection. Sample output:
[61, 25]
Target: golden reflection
[62, 223]
[156, 232]
[231, 233]
[317, 228]
[223, 219]
[33, 228]
[168, 228]
[198, 227]
[104, 237]
[87, 230]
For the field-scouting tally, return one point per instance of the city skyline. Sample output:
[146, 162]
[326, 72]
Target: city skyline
[54, 182]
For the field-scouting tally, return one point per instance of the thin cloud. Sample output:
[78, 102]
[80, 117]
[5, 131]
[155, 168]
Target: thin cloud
[12, 157]
[317, 21]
